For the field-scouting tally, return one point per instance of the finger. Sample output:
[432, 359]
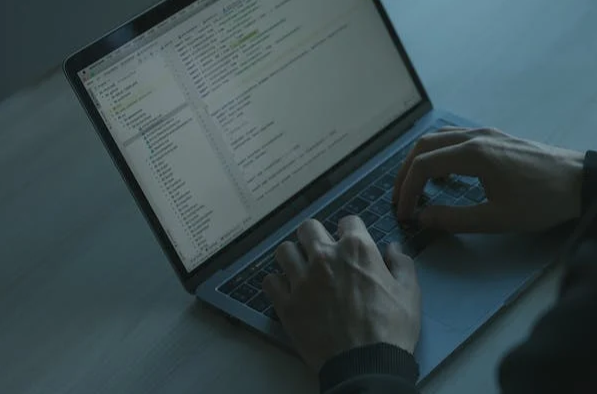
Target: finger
[483, 218]
[400, 266]
[457, 159]
[427, 143]
[292, 261]
[351, 225]
[312, 235]
[277, 289]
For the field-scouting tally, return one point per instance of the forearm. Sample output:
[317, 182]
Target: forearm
[558, 356]
[374, 369]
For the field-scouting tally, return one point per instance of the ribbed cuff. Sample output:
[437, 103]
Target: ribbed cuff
[378, 359]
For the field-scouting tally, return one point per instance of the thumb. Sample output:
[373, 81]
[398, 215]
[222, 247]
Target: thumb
[399, 265]
[473, 219]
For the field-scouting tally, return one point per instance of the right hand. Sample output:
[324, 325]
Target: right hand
[529, 186]
[341, 295]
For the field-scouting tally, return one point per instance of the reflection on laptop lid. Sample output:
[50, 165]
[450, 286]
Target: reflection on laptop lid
[227, 109]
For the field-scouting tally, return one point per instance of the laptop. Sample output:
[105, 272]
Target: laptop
[233, 121]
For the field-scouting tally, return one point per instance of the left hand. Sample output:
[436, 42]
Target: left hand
[337, 296]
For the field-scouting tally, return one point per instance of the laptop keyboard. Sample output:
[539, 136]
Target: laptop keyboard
[371, 200]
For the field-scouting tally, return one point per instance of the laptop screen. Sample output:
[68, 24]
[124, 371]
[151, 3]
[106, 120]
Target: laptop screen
[229, 108]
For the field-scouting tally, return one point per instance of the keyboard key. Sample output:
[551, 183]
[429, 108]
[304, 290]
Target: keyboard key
[356, 205]
[387, 223]
[368, 218]
[394, 171]
[381, 207]
[260, 303]
[382, 169]
[456, 189]
[232, 284]
[271, 313]
[398, 236]
[372, 193]
[273, 268]
[443, 199]
[236, 281]
[376, 234]
[476, 194]
[252, 269]
[388, 196]
[335, 218]
[244, 293]
[409, 228]
[383, 247]
[385, 183]
[433, 188]
[331, 227]
[469, 180]
[399, 157]
[257, 280]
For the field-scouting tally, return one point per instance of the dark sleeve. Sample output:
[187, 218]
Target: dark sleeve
[589, 186]
[373, 369]
[560, 355]
[589, 190]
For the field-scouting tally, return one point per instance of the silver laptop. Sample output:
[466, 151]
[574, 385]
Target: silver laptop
[233, 121]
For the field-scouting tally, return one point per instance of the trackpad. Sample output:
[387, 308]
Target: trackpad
[466, 279]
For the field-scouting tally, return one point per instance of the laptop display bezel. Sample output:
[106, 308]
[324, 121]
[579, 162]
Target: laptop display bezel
[259, 232]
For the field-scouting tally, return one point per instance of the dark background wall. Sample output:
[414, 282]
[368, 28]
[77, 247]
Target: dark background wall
[36, 35]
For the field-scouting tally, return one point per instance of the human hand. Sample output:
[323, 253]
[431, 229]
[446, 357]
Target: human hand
[529, 186]
[341, 295]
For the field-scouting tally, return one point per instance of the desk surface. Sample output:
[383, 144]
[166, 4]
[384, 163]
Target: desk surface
[88, 303]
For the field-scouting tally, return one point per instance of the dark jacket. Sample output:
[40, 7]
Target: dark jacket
[560, 355]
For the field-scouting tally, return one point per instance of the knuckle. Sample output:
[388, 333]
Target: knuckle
[474, 146]
[352, 239]
[321, 255]
[355, 243]
[486, 132]
[321, 272]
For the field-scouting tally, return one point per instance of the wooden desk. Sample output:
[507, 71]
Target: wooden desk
[88, 303]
